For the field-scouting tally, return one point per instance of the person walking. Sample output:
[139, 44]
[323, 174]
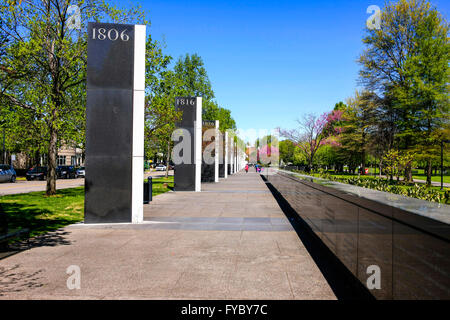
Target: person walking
[246, 168]
[256, 168]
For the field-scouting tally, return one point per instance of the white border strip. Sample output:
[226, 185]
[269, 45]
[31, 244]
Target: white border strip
[216, 152]
[137, 179]
[198, 146]
[225, 156]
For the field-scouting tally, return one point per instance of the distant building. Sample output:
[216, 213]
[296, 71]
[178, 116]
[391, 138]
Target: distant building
[251, 153]
[67, 156]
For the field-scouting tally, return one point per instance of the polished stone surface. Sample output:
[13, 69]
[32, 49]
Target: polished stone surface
[109, 126]
[420, 261]
[428, 209]
[412, 250]
[208, 169]
[184, 173]
[375, 248]
[110, 63]
[222, 156]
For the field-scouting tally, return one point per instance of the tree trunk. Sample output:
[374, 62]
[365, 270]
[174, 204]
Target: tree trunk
[381, 166]
[167, 159]
[51, 163]
[363, 154]
[429, 171]
[36, 159]
[363, 164]
[408, 173]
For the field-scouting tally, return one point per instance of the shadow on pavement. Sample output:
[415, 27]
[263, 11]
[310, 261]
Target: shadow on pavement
[26, 217]
[343, 283]
[13, 280]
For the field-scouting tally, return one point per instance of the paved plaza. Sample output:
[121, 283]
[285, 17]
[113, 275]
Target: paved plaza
[231, 241]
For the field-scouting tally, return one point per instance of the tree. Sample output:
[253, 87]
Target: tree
[188, 78]
[268, 149]
[43, 68]
[406, 63]
[161, 114]
[287, 151]
[309, 136]
[326, 156]
[212, 111]
[357, 123]
[193, 77]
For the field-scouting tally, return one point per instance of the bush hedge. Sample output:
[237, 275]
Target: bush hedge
[419, 191]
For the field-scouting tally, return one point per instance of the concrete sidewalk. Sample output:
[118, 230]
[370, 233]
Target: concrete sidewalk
[231, 241]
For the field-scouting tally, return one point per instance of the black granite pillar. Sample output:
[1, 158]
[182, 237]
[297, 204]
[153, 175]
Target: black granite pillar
[187, 173]
[208, 169]
[222, 154]
[114, 123]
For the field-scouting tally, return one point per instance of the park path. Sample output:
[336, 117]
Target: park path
[231, 241]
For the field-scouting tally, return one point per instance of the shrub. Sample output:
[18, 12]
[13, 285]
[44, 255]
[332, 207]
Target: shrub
[418, 191]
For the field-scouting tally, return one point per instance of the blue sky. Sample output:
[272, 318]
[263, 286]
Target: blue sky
[269, 62]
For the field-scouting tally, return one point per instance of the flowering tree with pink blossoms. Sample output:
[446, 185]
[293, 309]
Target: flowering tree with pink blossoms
[313, 132]
[269, 153]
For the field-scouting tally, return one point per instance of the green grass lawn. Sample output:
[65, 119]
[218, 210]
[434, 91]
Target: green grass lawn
[158, 185]
[418, 176]
[433, 178]
[43, 214]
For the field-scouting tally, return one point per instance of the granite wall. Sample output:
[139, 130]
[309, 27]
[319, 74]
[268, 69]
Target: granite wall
[411, 248]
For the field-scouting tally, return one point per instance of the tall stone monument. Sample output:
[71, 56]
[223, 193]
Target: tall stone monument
[115, 123]
[223, 161]
[230, 154]
[216, 154]
[187, 150]
[208, 150]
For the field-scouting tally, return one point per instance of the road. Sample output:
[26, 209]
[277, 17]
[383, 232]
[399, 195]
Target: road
[32, 186]
[157, 174]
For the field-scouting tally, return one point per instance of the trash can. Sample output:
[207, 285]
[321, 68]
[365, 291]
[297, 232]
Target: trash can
[148, 190]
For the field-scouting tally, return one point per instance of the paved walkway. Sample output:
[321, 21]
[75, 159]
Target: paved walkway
[231, 241]
[433, 183]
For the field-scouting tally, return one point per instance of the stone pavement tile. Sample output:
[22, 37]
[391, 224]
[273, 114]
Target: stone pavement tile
[211, 211]
[202, 284]
[292, 247]
[310, 286]
[271, 262]
[265, 235]
[233, 213]
[204, 252]
[260, 227]
[252, 249]
[259, 284]
[133, 280]
[182, 251]
[252, 212]
[17, 281]
[279, 221]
